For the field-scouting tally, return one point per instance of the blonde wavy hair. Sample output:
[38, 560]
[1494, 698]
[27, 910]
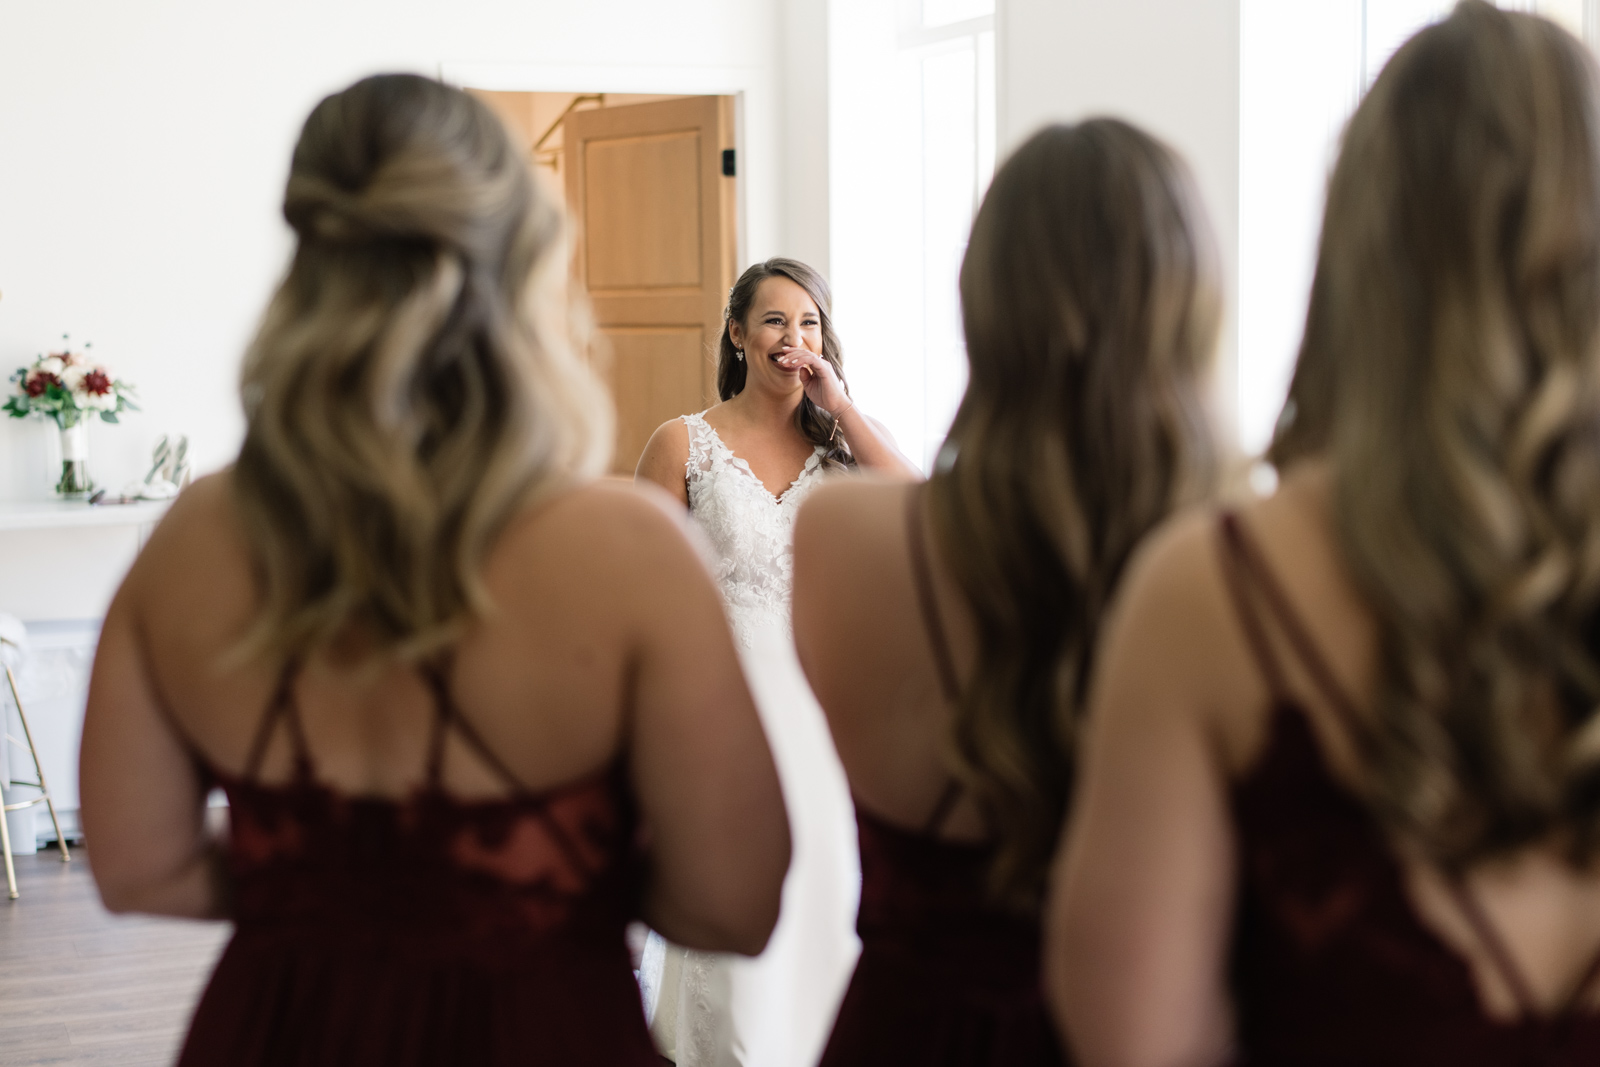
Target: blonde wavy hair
[413, 384]
[1451, 372]
[1091, 305]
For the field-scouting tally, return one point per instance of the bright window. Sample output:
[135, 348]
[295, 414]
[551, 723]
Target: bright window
[945, 66]
[1303, 67]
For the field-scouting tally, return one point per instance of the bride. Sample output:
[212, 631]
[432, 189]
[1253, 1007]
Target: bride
[743, 467]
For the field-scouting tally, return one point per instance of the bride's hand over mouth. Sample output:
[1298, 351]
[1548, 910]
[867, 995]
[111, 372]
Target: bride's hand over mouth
[822, 385]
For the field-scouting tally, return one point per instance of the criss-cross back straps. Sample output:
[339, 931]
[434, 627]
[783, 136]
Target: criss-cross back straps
[436, 673]
[282, 706]
[943, 662]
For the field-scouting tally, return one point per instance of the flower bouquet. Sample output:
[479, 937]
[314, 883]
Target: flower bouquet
[68, 388]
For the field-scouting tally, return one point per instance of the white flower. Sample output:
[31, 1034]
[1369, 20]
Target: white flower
[72, 377]
[52, 365]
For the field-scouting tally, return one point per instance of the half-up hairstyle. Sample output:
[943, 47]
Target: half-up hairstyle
[1091, 305]
[814, 424]
[1451, 373]
[406, 393]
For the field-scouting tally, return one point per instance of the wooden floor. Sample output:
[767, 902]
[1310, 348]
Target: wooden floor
[79, 985]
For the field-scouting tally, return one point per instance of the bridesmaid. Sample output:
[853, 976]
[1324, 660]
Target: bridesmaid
[473, 709]
[1341, 799]
[947, 628]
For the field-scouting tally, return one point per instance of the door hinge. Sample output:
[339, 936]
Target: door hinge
[728, 168]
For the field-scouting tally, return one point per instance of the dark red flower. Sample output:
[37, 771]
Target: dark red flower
[97, 382]
[38, 383]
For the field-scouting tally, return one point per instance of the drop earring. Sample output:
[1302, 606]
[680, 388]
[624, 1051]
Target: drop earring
[740, 353]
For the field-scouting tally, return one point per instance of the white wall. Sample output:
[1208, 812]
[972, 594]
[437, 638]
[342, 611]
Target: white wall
[803, 44]
[145, 147]
[1171, 66]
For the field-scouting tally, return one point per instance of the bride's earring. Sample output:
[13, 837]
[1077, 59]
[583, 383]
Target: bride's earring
[740, 353]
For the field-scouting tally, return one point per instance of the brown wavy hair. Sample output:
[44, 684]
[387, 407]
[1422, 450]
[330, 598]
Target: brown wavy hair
[408, 390]
[814, 424]
[1091, 305]
[1451, 373]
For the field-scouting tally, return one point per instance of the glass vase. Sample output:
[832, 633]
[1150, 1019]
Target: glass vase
[75, 483]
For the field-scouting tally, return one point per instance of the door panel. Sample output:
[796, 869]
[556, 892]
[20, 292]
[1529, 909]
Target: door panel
[656, 373]
[649, 238]
[655, 251]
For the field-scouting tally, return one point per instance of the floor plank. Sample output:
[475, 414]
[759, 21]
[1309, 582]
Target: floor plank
[80, 987]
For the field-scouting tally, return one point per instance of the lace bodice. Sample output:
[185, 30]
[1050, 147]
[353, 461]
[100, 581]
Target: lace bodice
[751, 531]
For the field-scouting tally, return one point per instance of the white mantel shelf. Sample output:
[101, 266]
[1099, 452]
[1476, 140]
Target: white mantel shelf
[62, 514]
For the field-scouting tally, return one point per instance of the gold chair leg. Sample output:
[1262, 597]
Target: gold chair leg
[61, 838]
[38, 768]
[5, 846]
[44, 789]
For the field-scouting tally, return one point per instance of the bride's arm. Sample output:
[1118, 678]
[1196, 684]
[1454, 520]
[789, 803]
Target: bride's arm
[873, 447]
[869, 441]
[665, 460]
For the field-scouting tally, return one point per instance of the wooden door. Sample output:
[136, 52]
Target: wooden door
[655, 252]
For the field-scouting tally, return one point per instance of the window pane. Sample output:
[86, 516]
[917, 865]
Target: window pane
[950, 190]
[944, 12]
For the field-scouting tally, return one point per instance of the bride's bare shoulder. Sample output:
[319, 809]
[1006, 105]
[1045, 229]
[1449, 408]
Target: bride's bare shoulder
[665, 458]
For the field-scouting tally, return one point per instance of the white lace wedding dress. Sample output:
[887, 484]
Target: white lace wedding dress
[713, 1010]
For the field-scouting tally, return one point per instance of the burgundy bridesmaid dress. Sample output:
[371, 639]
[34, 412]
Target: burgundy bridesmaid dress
[1331, 964]
[424, 931]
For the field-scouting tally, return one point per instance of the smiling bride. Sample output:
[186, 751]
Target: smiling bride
[742, 468]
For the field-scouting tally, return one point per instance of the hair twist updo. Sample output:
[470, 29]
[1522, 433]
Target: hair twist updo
[405, 394]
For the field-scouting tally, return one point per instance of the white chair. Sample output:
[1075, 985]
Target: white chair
[12, 636]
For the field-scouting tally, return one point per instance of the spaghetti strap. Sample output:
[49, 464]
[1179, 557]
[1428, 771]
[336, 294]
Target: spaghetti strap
[943, 662]
[446, 715]
[1235, 568]
[926, 601]
[1580, 992]
[281, 706]
[1246, 566]
[1495, 946]
[1500, 954]
[1255, 565]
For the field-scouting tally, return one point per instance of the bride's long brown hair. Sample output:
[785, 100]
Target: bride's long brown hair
[1090, 299]
[1451, 373]
[406, 393]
